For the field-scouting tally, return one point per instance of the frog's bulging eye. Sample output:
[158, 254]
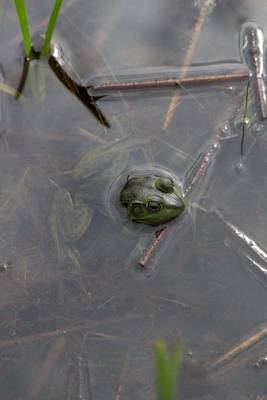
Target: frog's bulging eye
[137, 208]
[165, 185]
[153, 206]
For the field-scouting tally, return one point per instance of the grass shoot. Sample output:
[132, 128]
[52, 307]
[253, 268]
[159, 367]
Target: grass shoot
[51, 27]
[30, 52]
[167, 367]
[24, 26]
[25, 29]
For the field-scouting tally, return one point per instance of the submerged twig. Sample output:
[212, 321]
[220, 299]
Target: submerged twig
[24, 74]
[179, 303]
[85, 133]
[34, 55]
[256, 249]
[84, 381]
[152, 247]
[123, 376]
[188, 58]
[51, 358]
[239, 348]
[244, 119]
[106, 88]
[83, 326]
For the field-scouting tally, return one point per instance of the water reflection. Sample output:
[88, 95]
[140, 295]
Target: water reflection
[59, 321]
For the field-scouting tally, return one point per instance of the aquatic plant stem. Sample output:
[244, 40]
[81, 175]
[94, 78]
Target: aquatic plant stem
[51, 27]
[204, 10]
[107, 88]
[23, 77]
[240, 347]
[152, 247]
[167, 367]
[52, 357]
[24, 26]
[244, 119]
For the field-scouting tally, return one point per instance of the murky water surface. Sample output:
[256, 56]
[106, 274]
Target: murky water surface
[78, 319]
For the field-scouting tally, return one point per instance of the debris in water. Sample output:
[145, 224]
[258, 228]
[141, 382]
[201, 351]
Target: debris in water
[245, 121]
[240, 347]
[152, 247]
[262, 362]
[252, 48]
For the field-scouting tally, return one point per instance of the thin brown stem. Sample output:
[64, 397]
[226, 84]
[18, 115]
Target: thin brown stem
[152, 247]
[240, 348]
[83, 326]
[188, 58]
[244, 120]
[53, 355]
[189, 81]
[23, 78]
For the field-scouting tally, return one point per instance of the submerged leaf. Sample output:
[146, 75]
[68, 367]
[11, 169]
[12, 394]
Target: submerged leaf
[99, 158]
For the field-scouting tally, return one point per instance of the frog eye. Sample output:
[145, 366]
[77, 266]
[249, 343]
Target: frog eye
[137, 208]
[165, 185]
[153, 205]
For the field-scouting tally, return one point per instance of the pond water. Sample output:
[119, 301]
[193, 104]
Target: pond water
[78, 320]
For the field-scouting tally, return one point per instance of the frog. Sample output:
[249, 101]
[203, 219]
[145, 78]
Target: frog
[152, 199]
[149, 199]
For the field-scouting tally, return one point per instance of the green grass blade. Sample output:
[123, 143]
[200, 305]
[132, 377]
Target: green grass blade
[24, 25]
[166, 370]
[174, 368]
[51, 27]
[161, 371]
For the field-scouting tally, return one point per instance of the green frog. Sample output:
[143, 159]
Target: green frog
[150, 199]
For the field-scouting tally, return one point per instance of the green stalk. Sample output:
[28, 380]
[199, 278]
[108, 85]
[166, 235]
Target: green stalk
[51, 27]
[166, 370]
[24, 26]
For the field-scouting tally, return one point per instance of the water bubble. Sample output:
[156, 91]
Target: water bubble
[4, 267]
[198, 4]
[216, 146]
[226, 130]
[227, 242]
[240, 167]
[207, 159]
[258, 129]
[239, 123]
[261, 362]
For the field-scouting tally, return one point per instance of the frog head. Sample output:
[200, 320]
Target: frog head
[152, 199]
